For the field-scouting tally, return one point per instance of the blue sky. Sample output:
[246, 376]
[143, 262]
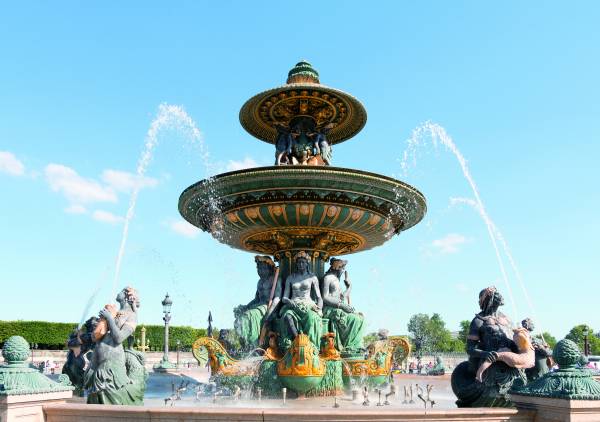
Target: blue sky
[514, 84]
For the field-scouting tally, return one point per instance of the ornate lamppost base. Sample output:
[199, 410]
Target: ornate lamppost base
[164, 366]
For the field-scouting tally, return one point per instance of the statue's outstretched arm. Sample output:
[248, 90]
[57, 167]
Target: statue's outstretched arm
[473, 339]
[286, 291]
[254, 301]
[276, 298]
[119, 335]
[348, 285]
[315, 284]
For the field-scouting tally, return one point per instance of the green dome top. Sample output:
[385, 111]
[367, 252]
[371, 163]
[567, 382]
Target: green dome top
[567, 354]
[16, 350]
[303, 72]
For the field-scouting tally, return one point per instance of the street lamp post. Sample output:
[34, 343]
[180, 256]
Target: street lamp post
[167, 303]
[178, 349]
[165, 365]
[586, 342]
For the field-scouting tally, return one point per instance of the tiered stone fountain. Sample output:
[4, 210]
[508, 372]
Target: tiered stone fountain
[301, 213]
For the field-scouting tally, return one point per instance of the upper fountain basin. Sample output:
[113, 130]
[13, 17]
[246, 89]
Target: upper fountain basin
[332, 210]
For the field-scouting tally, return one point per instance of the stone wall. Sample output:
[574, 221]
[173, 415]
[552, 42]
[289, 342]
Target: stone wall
[97, 413]
[60, 356]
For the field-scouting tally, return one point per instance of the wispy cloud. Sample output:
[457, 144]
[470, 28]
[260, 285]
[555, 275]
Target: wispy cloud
[80, 191]
[247, 162]
[449, 244]
[123, 181]
[461, 287]
[10, 164]
[77, 189]
[76, 209]
[107, 217]
[183, 228]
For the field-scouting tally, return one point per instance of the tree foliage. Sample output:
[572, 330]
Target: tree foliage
[548, 338]
[577, 334]
[429, 334]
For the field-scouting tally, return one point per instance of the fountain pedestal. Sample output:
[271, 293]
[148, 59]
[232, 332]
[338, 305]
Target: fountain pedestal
[23, 389]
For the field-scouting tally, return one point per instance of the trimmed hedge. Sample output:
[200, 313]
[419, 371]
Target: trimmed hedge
[54, 335]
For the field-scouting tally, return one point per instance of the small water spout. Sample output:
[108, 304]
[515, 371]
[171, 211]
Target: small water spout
[284, 394]
[392, 393]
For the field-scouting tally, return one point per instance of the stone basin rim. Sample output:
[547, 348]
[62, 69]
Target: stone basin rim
[301, 169]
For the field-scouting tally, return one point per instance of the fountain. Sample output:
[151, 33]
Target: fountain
[298, 215]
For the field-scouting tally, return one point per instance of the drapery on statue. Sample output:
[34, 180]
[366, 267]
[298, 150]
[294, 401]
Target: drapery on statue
[543, 354]
[344, 321]
[250, 318]
[490, 332]
[300, 313]
[116, 375]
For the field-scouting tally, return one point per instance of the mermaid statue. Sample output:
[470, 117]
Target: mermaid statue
[490, 339]
[116, 375]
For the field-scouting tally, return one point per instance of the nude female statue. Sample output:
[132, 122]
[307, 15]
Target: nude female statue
[116, 375]
[300, 313]
[344, 321]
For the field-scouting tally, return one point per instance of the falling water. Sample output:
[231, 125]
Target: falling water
[507, 251]
[437, 134]
[92, 298]
[168, 117]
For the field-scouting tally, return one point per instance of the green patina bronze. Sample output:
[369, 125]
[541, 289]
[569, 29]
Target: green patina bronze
[18, 378]
[303, 69]
[300, 214]
[569, 382]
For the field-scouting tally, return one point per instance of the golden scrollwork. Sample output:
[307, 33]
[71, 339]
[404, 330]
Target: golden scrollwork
[380, 358]
[301, 360]
[330, 241]
[218, 357]
[329, 352]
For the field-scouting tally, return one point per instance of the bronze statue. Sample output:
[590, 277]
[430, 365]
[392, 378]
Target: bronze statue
[490, 332]
[284, 144]
[543, 354]
[344, 321]
[250, 318]
[300, 313]
[321, 146]
[80, 344]
[116, 375]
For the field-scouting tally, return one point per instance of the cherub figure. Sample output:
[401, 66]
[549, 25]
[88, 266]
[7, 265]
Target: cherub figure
[321, 144]
[283, 144]
[525, 358]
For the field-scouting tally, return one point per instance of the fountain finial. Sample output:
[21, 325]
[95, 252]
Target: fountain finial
[302, 73]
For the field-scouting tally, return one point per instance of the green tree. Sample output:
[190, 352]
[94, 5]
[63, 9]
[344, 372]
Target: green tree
[429, 334]
[418, 329]
[370, 338]
[577, 335]
[548, 338]
[465, 324]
